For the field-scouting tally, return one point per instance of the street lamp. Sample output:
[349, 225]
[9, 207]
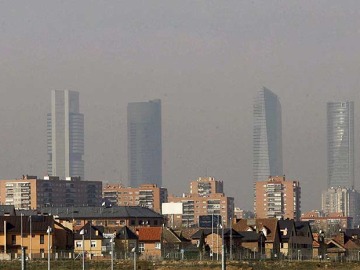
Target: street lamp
[134, 251]
[49, 230]
[112, 252]
[82, 233]
[223, 265]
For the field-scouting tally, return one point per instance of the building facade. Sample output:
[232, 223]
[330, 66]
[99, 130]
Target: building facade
[277, 197]
[29, 192]
[340, 144]
[144, 143]
[341, 200]
[146, 195]
[203, 200]
[65, 135]
[267, 136]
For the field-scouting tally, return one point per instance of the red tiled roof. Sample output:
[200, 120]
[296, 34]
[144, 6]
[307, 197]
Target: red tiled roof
[149, 233]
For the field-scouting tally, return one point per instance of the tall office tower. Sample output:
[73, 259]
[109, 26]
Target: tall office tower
[144, 143]
[65, 135]
[267, 138]
[340, 144]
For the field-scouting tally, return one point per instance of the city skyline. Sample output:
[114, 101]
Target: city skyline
[340, 144]
[205, 61]
[65, 135]
[267, 136]
[144, 143]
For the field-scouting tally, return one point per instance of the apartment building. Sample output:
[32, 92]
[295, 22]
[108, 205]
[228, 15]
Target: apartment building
[206, 197]
[277, 197]
[29, 192]
[146, 195]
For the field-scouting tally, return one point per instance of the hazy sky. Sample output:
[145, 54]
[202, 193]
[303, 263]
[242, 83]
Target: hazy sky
[204, 59]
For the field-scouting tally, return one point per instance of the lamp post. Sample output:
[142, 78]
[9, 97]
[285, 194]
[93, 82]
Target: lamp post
[30, 253]
[223, 255]
[112, 252]
[82, 233]
[212, 236]
[48, 233]
[134, 251]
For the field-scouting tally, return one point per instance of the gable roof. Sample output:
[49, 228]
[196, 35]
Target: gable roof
[149, 233]
[271, 225]
[39, 224]
[125, 234]
[250, 236]
[90, 232]
[287, 225]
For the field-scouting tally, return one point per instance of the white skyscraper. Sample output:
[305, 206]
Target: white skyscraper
[65, 135]
[267, 136]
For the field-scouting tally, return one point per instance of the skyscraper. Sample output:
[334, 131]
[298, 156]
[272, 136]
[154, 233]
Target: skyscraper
[144, 143]
[267, 136]
[340, 144]
[65, 135]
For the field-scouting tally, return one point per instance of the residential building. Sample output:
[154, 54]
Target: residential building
[277, 197]
[65, 135]
[144, 143]
[267, 136]
[330, 223]
[32, 233]
[342, 200]
[203, 199]
[29, 192]
[146, 195]
[340, 144]
[158, 242]
[90, 239]
[268, 227]
[109, 217]
[296, 239]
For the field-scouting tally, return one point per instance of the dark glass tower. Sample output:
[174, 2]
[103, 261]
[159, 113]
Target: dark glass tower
[144, 143]
[267, 136]
[340, 144]
[65, 135]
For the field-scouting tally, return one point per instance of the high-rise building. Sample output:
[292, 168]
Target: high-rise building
[278, 198]
[144, 143]
[65, 135]
[146, 195]
[342, 200]
[267, 136]
[340, 144]
[29, 192]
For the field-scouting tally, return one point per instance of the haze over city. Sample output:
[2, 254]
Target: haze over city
[205, 60]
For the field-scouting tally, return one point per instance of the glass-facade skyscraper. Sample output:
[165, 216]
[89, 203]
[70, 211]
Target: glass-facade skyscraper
[144, 143]
[267, 136]
[65, 135]
[340, 144]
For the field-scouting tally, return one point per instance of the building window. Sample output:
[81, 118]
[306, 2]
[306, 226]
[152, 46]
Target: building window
[42, 250]
[141, 247]
[13, 239]
[78, 244]
[41, 239]
[93, 243]
[157, 245]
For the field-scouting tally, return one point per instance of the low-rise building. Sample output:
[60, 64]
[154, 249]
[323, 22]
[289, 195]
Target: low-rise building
[329, 223]
[33, 233]
[109, 217]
